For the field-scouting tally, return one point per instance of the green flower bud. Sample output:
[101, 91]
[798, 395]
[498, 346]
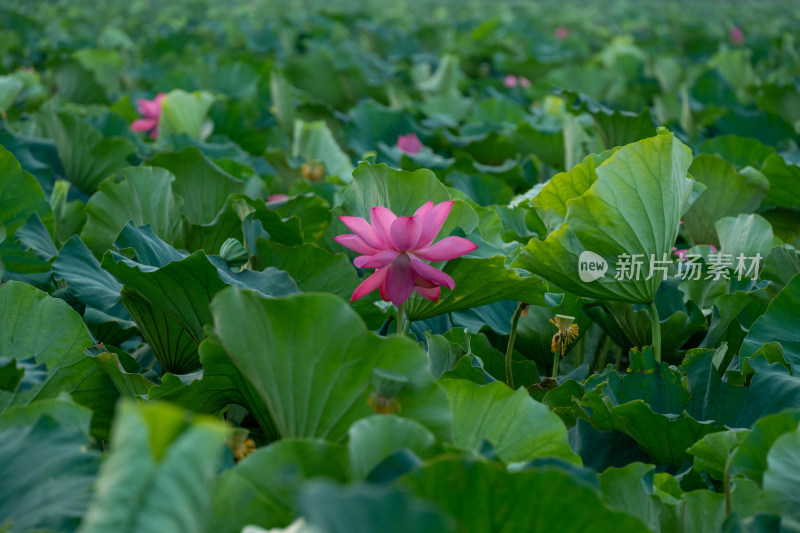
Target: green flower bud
[234, 253]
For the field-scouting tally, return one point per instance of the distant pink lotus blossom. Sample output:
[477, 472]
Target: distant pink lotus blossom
[151, 111]
[278, 198]
[736, 35]
[681, 253]
[524, 82]
[409, 143]
[397, 247]
[562, 33]
[510, 81]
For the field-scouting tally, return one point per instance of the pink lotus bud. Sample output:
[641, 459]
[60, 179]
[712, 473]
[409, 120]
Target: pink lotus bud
[562, 33]
[410, 143]
[736, 35]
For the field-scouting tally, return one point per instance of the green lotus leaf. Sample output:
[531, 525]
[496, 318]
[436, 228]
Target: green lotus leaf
[159, 471]
[468, 489]
[37, 325]
[203, 186]
[262, 489]
[335, 509]
[633, 207]
[519, 427]
[183, 112]
[48, 473]
[143, 195]
[326, 376]
[21, 197]
[728, 193]
[87, 156]
[373, 439]
[771, 326]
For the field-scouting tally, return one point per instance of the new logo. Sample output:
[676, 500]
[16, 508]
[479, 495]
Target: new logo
[591, 266]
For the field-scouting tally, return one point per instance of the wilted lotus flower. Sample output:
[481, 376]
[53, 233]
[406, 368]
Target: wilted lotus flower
[510, 81]
[151, 110]
[397, 247]
[410, 143]
[736, 35]
[562, 33]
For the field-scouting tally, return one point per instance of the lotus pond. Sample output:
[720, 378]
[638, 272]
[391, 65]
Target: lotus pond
[366, 266]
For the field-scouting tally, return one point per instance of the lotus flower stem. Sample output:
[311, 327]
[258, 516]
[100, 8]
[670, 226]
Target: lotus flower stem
[603, 355]
[400, 319]
[556, 358]
[656, 324]
[521, 308]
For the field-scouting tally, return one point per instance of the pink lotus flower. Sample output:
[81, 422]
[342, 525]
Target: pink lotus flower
[151, 110]
[562, 33]
[397, 247]
[278, 198]
[510, 81]
[410, 143]
[524, 82]
[736, 35]
[681, 254]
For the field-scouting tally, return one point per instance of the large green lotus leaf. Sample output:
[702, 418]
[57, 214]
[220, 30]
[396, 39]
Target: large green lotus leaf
[486, 498]
[314, 141]
[159, 472]
[183, 112]
[368, 508]
[750, 457]
[479, 281]
[373, 439]
[203, 186]
[746, 234]
[712, 452]
[21, 196]
[143, 195]
[87, 157]
[402, 192]
[780, 495]
[784, 182]
[519, 427]
[623, 403]
[91, 284]
[262, 489]
[630, 490]
[728, 193]
[311, 267]
[48, 472]
[220, 385]
[170, 303]
[774, 326]
[551, 200]
[633, 207]
[311, 359]
[739, 151]
[47, 329]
